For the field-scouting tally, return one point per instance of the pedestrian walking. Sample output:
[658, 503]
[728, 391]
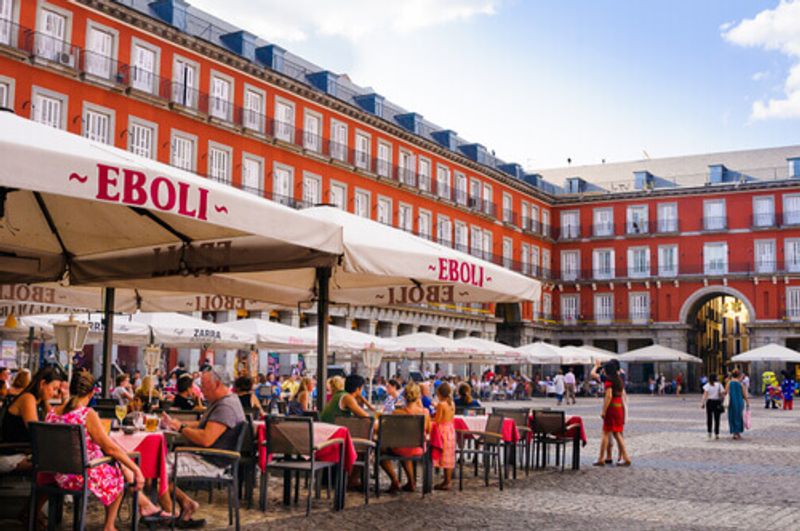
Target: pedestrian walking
[558, 383]
[662, 383]
[788, 387]
[737, 402]
[569, 386]
[678, 384]
[713, 394]
[613, 416]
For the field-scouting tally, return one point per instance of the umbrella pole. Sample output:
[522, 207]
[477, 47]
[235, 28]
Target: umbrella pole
[323, 283]
[108, 337]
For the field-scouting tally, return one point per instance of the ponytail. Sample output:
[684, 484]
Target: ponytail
[82, 385]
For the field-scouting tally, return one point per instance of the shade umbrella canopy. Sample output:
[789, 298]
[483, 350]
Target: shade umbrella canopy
[584, 355]
[95, 214]
[657, 354]
[273, 336]
[771, 352]
[427, 343]
[481, 350]
[126, 331]
[177, 330]
[342, 339]
[541, 352]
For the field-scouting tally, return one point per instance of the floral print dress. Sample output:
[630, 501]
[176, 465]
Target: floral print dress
[105, 481]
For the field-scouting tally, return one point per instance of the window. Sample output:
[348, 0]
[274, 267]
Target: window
[793, 303]
[424, 224]
[312, 137]
[569, 309]
[637, 220]
[639, 308]
[715, 258]
[444, 231]
[603, 264]
[424, 174]
[6, 90]
[312, 189]
[546, 223]
[508, 253]
[488, 245]
[98, 124]
[535, 271]
[791, 251]
[443, 182]
[508, 208]
[461, 188]
[475, 241]
[100, 53]
[405, 168]
[546, 263]
[338, 195]
[284, 120]
[524, 258]
[282, 184]
[219, 163]
[667, 260]
[385, 210]
[361, 206]
[639, 262]
[405, 214]
[791, 209]
[524, 215]
[363, 150]
[475, 193]
[763, 211]
[142, 137]
[604, 308]
[384, 159]
[253, 117]
[570, 265]
[339, 140]
[185, 75]
[253, 174]
[765, 256]
[144, 67]
[667, 217]
[220, 105]
[53, 36]
[462, 237]
[488, 206]
[7, 33]
[184, 151]
[603, 222]
[49, 108]
[534, 226]
[547, 305]
[714, 214]
[570, 225]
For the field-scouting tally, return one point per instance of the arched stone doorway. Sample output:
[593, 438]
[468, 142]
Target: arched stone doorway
[718, 319]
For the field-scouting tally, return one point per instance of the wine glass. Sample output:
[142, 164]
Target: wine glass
[120, 412]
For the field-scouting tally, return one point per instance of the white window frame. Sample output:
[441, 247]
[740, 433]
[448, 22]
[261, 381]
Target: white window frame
[487, 199]
[363, 158]
[422, 213]
[175, 133]
[45, 93]
[67, 14]
[633, 269]
[601, 228]
[10, 86]
[109, 61]
[790, 217]
[461, 243]
[155, 74]
[547, 306]
[637, 224]
[280, 197]
[603, 312]
[10, 23]
[444, 230]
[570, 317]
[475, 241]
[763, 219]
[97, 109]
[791, 263]
[257, 190]
[405, 217]
[710, 268]
[384, 168]
[536, 258]
[547, 263]
[406, 167]
[254, 119]
[461, 185]
[599, 272]
[313, 142]
[227, 176]
[339, 145]
[153, 126]
[570, 274]
[190, 99]
[359, 195]
[384, 204]
[424, 176]
[444, 187]
[663, 271]
[508, 252]
[640, 317]
[219, 108]
[313, 180]
[570, 230]
[525, 258]
[343, 187]
[715, 222]
[546, 224]
[765, 264]
[793, 303]
[666, 225]
[508, 208]
[283, 130]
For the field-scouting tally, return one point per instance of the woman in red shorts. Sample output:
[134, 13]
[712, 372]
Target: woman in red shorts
[613, 415]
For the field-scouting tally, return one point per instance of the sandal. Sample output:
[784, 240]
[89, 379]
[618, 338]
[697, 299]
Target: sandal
[609, 461]
[409, 488]
[624, 463]
[599, 463]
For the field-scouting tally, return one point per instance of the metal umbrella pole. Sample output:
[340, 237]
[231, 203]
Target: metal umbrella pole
[323, 285]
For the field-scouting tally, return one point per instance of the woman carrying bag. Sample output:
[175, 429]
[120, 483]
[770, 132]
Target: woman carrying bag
[713, 394]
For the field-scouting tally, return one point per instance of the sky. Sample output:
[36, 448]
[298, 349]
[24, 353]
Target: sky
[541, 82]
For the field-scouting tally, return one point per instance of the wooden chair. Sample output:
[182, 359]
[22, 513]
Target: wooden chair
[403, 431]
[361, 431]
[522, 420]
[487, 444]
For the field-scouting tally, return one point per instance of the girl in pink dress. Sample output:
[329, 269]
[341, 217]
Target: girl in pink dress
[445, 411]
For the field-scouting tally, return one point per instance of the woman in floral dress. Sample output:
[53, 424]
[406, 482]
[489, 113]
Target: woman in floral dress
[445, 411]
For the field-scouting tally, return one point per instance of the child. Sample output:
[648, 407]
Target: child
[445, 411]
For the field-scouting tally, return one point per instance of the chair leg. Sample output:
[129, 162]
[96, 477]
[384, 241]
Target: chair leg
[296, 487]
[377, 471]
[461, 471]
[32, 515]
[134, 510]
[263, 493]
[310, 480]
[287, 487]
[231, 487]
[499, 471]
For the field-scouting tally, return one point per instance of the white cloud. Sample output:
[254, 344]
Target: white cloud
[775, 29]
[298, 20]
[758, 76]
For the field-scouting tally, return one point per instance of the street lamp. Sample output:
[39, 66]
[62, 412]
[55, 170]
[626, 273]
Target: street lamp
[70, 337]
[152, 359]
[372, 360]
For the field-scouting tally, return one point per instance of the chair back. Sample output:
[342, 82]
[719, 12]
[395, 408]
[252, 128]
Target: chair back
[243, 429]
[58, 448]
[281, 406]
[359, 427]
[106, 402]
[520, 416]
[494, 424]
[401, 431]
[248, 446]
[469, 411]
[185, 415]
[548, 422]
[290, 435]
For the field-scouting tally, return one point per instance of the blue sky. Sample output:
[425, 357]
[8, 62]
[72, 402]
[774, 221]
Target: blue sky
[539, 82]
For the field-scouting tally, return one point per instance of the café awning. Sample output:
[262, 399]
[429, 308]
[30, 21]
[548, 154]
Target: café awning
[657, 354]
[342, 339]
[126, 332]
[182, 331]
[540, 352]
[276, 337]
[767, 353]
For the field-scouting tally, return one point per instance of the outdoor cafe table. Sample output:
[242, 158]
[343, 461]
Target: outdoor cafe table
[510, 432]
[323, 431]
[152, 447]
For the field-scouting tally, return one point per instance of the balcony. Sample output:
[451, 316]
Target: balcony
[569, 232]
[43, 47]
[444, 191]
[571, 275]
[793, 314]
[716, 223]
[791, 218]
[103, 68]
[763, 220]
[640, 318]
[338, 151]
[509, 216]
[667, 226]
[185, 96]
[146, 82]
[286, 132]
[635, 228]
[603, 273]
[639, 271]
[461, 197]
[10, 35]
[569, 319]
[383, 168]
[424, 182]
[407, 176]
[603, 230]
[218, 108]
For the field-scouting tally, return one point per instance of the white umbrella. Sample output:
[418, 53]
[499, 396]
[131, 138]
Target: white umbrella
[425, 342]
[343, 339]
[657, 354]
[178, 330]
[126, 332]
[276, 337]
[540, 352]
[771, 352]
[584, 355]
[487, 351]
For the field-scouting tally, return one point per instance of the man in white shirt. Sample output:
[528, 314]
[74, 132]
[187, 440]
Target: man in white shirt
[558, 383]
[569, 385]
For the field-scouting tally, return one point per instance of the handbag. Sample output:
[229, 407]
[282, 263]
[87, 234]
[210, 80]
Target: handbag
[747, 418]
[726, 402]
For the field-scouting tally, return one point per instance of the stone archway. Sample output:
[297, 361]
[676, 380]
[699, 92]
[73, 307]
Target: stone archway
[697, 298]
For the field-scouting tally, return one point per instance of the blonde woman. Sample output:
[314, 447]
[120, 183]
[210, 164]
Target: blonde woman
[147, 395]
[301, 401]
[333, 386]
[413, 395]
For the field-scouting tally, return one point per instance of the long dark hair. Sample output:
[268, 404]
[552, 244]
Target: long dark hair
[45, 374]
[81, 385]
[612, 373]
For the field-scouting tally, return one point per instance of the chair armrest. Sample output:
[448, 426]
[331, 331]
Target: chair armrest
[480, 433]
[213, 452]
[570, 426]
[363, 442]
[135, 456]
[20, 447]
[329, 442]
[100, 461]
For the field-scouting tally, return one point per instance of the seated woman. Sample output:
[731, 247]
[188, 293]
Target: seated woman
[105, 481]
[185, 399]
[413, 406]
[21, 381]
[301, 401]
[243, 385]
[464, 398]
[346, 403]
[333, 386]
[148, 395]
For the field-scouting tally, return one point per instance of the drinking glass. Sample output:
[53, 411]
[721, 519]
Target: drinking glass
[120, 412]
[151, 423]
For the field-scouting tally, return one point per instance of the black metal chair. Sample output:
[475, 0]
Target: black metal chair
[228, 460]
[61, 449]
[522, 420]
[361, 431]
[247, 463]
[290, 442]
[403, 431]
[185, 415]
[487, 444]
[549, 428]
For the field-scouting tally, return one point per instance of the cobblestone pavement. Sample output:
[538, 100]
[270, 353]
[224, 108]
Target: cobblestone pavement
[679, 480]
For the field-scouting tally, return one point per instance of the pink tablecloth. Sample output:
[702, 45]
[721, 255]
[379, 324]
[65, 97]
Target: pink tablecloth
[478, 423]
[575, 423]
[323, 431]
[153, 450]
